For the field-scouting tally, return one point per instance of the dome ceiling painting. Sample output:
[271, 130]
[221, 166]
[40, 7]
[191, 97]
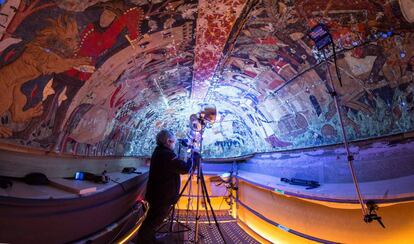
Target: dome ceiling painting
[103, 77]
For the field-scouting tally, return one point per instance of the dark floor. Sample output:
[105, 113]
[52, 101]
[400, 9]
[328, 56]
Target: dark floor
[208, 233]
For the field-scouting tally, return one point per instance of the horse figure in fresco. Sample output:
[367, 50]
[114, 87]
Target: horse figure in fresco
[51, 51]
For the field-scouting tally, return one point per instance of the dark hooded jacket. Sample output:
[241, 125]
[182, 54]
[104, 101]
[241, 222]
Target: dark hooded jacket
[164, 177]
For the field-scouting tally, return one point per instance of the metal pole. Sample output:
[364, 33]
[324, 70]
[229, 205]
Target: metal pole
[172, 218]
[236, 185]
[187, 183]
[350, 157]
[204, 188]
[190, 182]
[198, 188]
[198, 206]
[205, 196]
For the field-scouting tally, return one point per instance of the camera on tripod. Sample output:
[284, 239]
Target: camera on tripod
[193, 141]
[197, 123]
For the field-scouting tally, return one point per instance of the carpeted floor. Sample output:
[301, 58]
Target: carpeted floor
[183, 230]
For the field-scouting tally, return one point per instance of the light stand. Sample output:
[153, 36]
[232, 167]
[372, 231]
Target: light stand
[350, 157]
[322, 38]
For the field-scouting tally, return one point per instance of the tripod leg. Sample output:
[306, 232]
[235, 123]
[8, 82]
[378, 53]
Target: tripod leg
[169, 221]
[177, 220]
[211, 207]
[189, 200]
[204, 192]
[172, 218]
[188, 183]
[197, 208]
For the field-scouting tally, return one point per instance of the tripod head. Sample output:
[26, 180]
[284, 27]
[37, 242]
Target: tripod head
[197, 123]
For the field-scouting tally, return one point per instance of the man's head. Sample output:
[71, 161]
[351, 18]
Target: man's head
[166, 138]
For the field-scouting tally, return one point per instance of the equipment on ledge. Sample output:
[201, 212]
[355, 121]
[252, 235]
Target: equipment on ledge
[36, 179]
[130, 170]
[311, 184]
[103, 178]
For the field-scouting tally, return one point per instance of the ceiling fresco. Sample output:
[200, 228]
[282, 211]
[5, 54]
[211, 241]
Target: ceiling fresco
[103, 77]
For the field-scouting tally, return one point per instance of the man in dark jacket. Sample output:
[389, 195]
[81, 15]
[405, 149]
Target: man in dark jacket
[163, 184]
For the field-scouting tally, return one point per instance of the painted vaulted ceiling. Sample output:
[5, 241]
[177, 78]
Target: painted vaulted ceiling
[103, 77]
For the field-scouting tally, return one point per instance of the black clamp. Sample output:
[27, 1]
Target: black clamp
[372, 215]
[5, 183]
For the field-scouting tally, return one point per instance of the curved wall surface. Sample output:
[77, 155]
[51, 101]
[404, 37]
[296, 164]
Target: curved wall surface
[46, 214]
[277, 211]
[23, 162]
[373, 161]
[283, 219]
[328, 212]
[102, 77]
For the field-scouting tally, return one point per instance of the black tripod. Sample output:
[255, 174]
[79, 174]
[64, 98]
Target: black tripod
[198, 122]
[201, 185]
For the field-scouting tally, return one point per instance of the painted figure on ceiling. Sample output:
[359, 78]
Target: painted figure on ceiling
[101, 39]
[98, 41]
[51, 51]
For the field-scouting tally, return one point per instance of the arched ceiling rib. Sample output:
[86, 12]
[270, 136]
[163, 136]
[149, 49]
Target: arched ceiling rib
[215, 22]
[102, 77]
